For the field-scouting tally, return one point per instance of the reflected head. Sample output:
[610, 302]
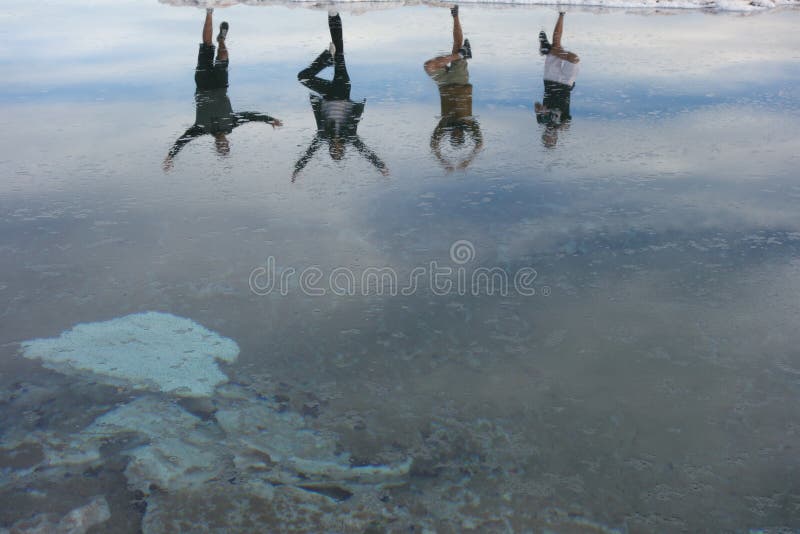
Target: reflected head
[457, 136]
[550, 137]
[336, 149]
[222, 144]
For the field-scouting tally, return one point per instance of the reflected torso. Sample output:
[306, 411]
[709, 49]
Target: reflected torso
[214, 111]
[456, 101]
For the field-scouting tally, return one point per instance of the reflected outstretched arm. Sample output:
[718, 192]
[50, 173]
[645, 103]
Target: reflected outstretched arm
[192, 133]
[436, 141]
[371, 156]
[251, 116]
[477, 136]
[305, 158]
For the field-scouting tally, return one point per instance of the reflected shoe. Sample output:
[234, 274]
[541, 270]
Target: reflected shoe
[544, 44]
[223, 31]
[332, 49]
[466, 50]
[454, 11]
[332, 13]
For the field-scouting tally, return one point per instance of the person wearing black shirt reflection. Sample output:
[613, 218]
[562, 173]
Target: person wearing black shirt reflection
[214, 114]
[560, 71]
[452, 77]
[336, 115]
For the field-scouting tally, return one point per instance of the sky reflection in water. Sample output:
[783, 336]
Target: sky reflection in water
[656, 382]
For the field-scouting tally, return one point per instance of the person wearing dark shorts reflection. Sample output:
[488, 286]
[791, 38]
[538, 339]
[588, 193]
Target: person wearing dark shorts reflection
[214, 114]
[560, 71]
[336, 115]
[457, 122]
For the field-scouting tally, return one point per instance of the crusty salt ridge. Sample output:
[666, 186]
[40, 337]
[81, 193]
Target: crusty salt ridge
[152, 350]
[709, 5]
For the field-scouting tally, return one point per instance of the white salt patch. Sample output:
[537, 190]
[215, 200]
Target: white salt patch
[153, 351]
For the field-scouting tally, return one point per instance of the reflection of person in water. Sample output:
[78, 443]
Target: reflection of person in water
[451, 75]
[336, 115]
[560, 71]
[214, 115]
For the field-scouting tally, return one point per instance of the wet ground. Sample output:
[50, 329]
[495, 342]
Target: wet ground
[650, 382]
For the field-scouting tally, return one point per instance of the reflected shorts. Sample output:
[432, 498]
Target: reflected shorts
[455, 73]
[210, 74]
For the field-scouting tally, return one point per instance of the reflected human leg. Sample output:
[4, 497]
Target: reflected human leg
[340, 86]
[309, 78]
[434, 66]
[556, 48]
[458, 34]
[335, 27]
[222, 52]
[558, 30]
[208, 27]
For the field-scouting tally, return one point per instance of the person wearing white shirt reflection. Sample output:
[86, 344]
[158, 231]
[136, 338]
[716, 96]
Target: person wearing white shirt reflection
[560, 71]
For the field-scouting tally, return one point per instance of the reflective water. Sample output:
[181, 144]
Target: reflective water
[651, 382]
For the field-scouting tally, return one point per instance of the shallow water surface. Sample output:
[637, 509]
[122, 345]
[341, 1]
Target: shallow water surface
[449, 316]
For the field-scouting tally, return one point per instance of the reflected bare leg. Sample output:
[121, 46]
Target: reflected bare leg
[565, 54]
[222, 50]
[432, 65]
[208, 29]
[558, 31]
[556, 49]
[458, 34]
[440, 62]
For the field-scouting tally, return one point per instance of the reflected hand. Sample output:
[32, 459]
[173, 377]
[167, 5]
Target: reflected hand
[168, 164]
[276, 123]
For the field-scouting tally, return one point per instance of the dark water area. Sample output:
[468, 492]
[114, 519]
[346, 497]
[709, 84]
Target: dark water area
[610, 345]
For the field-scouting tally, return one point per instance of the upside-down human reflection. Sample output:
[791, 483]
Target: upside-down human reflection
[452, 77]
[214, 113]
[560, 71]
[336, 115]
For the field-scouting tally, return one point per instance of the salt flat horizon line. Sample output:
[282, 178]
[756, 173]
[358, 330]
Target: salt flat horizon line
[645, 6]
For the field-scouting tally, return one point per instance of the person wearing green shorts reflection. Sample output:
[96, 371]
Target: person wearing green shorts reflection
[451, 74]
[214, 115]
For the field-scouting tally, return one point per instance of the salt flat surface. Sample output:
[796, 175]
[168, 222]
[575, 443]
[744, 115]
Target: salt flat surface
[710, 5]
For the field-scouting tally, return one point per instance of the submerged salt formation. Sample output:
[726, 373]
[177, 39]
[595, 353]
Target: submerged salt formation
[172, 449]
[283, 450]
[153, 351]
[242, 441]
[78, 521]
